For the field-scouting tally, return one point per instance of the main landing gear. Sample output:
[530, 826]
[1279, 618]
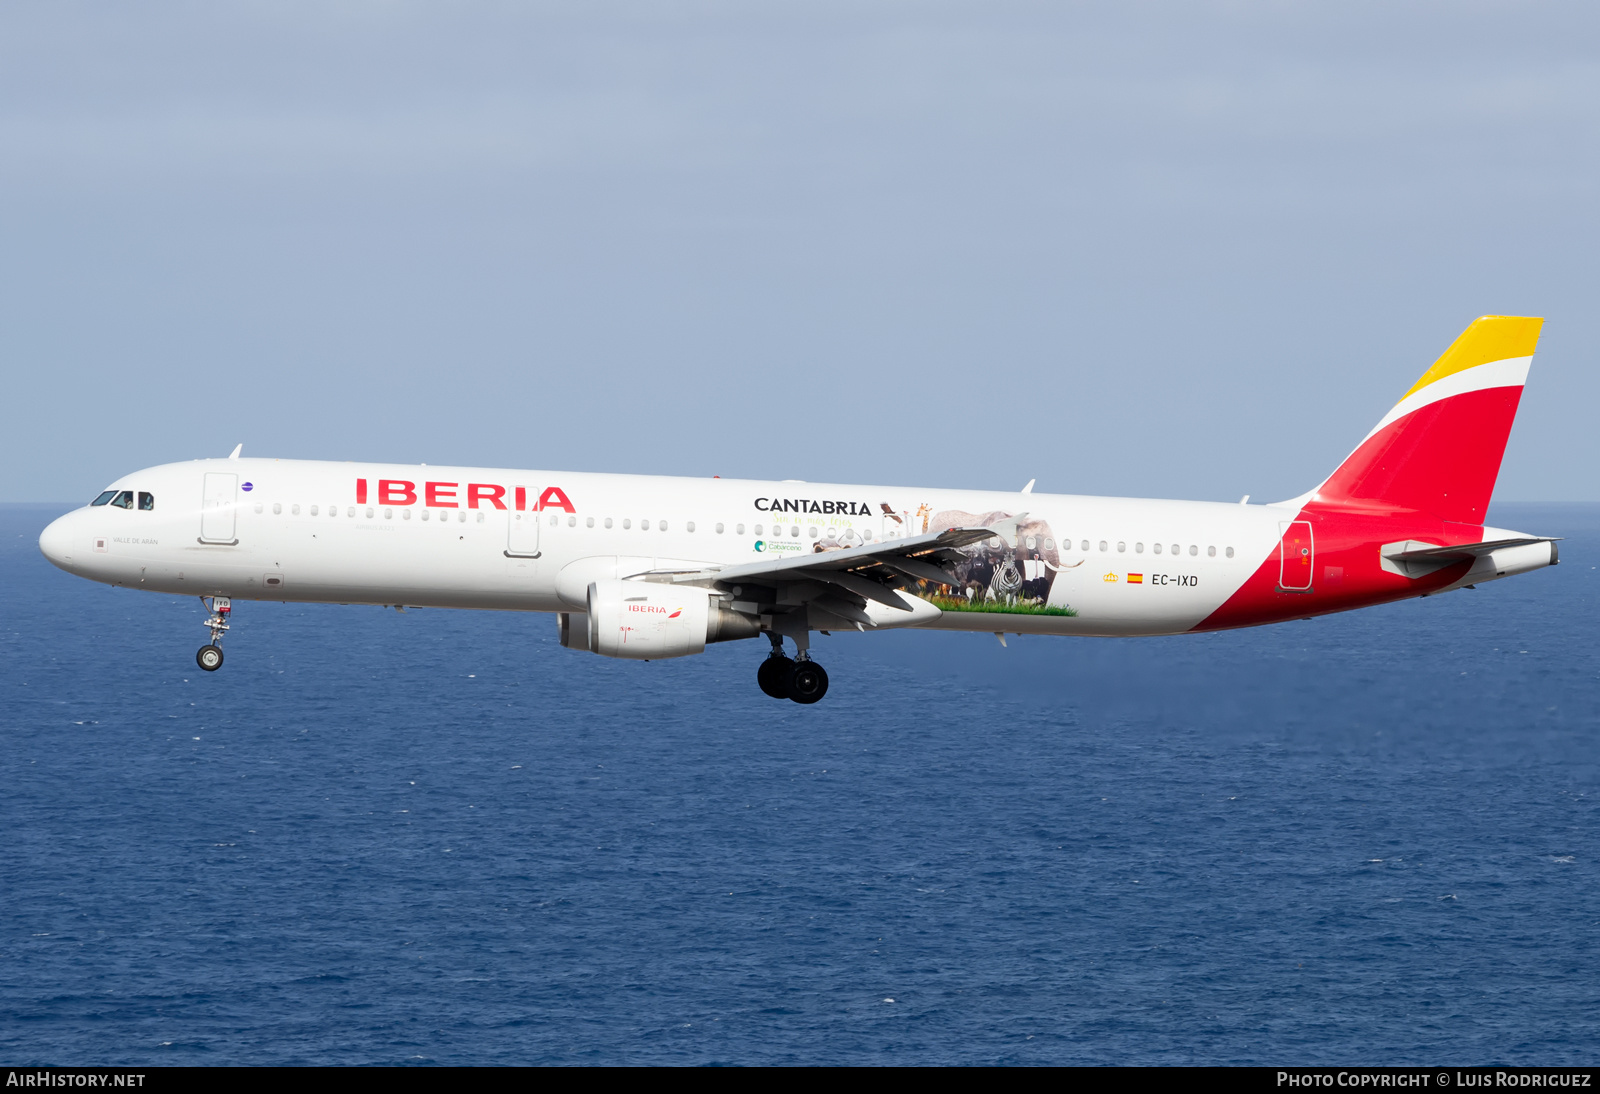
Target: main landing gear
[209, 656]
[784, 677]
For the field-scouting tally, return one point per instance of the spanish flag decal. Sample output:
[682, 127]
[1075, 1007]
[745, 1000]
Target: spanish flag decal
[1135, 579]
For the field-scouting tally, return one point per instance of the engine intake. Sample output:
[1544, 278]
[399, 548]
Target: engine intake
[649, 621]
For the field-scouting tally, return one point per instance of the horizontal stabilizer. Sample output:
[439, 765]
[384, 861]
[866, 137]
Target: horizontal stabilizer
[1415, 558]
[1413, 550]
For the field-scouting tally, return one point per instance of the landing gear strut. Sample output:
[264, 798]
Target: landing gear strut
[800, 679]
[209, 657]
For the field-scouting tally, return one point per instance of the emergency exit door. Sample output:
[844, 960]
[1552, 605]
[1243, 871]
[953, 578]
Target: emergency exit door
[1296, 556]
[522, 539]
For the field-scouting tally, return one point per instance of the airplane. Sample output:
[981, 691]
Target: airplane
[648, 567]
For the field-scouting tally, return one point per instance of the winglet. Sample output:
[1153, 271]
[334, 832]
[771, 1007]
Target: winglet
[238, 448]
[1029, 488]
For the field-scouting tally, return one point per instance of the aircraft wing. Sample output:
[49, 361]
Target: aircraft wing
[853, 575]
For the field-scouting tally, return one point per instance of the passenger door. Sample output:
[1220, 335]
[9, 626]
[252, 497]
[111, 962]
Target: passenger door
[218, 508]
[1296, 557]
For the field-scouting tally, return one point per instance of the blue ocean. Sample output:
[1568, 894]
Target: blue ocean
[436, 837]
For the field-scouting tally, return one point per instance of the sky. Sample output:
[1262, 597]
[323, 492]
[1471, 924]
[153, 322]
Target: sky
[1187, 250]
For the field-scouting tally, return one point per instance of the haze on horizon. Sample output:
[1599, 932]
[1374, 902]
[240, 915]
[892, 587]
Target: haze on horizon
[1160, 249]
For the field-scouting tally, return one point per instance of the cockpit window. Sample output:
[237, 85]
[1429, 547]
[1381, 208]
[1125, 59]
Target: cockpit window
[123, 500]
[103, 498]
[147, 502]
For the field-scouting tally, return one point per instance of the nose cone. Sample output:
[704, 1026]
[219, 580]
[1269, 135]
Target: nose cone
[56, 540]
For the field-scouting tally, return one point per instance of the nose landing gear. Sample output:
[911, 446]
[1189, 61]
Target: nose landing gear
[800, 679]
[209, 657]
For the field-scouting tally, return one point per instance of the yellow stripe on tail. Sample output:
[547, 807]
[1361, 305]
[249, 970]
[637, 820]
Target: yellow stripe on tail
[1490, 338]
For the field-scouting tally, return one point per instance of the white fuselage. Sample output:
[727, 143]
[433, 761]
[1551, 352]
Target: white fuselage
[295, 530]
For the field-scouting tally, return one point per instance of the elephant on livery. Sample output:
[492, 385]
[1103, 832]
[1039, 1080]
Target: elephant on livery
[996, 575]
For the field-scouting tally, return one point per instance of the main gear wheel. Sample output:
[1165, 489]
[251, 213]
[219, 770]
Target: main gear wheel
[773, 676]
[806, 682]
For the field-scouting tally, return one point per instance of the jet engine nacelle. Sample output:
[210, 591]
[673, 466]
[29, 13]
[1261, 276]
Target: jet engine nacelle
[650, 621]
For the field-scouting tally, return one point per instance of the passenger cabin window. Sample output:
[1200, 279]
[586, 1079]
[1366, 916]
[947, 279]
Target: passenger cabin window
[588, 522]
[104, 498]
[739, 530]
[689, 526]
[147, 502]
[719, 527]
[1230, 552]
[123, 500]
[1157, 548]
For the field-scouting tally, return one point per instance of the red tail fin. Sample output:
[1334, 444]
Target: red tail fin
[1438, 451]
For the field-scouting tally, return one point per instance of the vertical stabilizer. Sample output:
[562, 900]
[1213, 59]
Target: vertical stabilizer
[1438, 451]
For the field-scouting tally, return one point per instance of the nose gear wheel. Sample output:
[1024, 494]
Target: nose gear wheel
[209, 656]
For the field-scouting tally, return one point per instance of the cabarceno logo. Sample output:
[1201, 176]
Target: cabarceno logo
[761, 545]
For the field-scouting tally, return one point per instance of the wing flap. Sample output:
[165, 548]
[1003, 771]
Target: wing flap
[913, 550]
